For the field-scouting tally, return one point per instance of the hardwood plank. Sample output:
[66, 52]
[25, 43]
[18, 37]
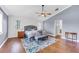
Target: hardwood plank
[62, 46]
[14, 45]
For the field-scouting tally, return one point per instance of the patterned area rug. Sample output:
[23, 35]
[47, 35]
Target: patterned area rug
[33, 47]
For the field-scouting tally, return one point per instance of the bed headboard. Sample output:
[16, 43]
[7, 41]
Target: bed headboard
[30, 27]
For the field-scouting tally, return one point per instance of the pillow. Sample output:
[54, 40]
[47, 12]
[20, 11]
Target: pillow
[37, 33]
[30, 34]
[26, 34]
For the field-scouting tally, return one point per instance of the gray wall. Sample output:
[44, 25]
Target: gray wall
[5, 27]
[70, 19]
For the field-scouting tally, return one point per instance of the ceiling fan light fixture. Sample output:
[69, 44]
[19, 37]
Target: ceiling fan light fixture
[43, 13]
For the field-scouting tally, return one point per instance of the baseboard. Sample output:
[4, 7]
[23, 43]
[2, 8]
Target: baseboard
[3, 42]
[12, 37]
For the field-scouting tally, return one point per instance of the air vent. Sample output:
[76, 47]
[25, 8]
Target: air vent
[56, 9]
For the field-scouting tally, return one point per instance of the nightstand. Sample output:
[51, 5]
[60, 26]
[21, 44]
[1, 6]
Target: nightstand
[20, 34]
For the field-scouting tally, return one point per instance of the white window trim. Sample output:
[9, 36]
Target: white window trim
[1, 22]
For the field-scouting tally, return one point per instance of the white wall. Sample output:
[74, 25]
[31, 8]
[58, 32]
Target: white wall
[12, 31]
[70, 19]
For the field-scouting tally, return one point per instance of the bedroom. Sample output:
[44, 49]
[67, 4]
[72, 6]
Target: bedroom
[19, 19]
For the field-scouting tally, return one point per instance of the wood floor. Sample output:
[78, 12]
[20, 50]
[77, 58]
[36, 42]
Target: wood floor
[14, 45]
[62, 46]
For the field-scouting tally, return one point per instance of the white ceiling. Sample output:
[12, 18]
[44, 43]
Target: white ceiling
[29, 11]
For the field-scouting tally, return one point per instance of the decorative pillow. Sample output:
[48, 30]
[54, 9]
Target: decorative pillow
[38, 33]
[28, 34]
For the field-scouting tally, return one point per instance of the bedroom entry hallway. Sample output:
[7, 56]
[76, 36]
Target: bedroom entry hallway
[14, 45]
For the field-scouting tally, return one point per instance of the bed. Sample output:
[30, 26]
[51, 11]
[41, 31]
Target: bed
[34, 34]
[34, 45]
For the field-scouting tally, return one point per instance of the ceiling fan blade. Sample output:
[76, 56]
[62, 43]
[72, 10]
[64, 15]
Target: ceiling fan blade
[39, 15]
[46, 13]
[49, 13]
[37, 12]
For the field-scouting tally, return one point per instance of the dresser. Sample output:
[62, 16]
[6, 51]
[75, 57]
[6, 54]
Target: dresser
[20, 34]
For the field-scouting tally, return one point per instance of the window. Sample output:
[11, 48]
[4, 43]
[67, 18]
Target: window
[1, 23]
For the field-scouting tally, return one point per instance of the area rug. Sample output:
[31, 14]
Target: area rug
[33, 47]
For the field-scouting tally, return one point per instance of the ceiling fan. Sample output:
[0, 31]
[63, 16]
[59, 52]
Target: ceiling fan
[43, 13]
